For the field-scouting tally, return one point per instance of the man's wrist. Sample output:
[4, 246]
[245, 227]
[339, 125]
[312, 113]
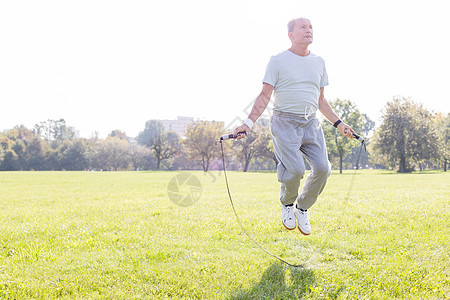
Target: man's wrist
[337, 123]
[249, 123]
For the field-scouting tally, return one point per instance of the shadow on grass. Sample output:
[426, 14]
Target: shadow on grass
[425, 172]
[279, 282]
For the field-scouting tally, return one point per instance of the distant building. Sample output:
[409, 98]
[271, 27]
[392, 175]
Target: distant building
[132, 141]
[179, 125]
[76, 133]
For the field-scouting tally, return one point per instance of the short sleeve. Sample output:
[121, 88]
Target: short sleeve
[324, 78]
[271, 76]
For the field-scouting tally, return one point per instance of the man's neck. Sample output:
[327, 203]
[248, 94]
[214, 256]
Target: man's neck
[301, 51]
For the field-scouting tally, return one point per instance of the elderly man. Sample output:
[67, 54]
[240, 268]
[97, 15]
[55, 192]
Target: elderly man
[297, 77]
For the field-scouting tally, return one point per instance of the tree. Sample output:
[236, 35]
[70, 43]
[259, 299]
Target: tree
[20, 149]
[8, 158]
[264, 144]
[36, 154]
[73, 155]
[21, 138]
[270, 153]
[254, 145]
[30, 151]
[5, 146]
[163, 144]
[20, 133]
[407, 134]
[120, 134]
[360, 157]
[200, 142]
[112, 154]
[141, 157]
[338, 145]
[368, 126]
[9, 162]
[54, 131]
[446, 135]
[441, 125]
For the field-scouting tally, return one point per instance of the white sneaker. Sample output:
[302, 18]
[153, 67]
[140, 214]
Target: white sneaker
[303, 222]
[287, 215]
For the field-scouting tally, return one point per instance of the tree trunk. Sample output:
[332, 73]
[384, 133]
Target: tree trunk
[358, 158]
[246, 164]
[402, 166]
[445, 165]
[158, 163]
[340, 163]
[205, 164]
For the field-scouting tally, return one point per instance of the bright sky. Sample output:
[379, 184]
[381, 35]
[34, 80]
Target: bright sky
[105, 65]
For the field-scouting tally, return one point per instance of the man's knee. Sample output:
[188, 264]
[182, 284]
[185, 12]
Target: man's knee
[290, 173]
[323, 170]
[298, 172]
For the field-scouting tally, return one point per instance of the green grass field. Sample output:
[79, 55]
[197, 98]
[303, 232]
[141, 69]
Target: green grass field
[117, 235]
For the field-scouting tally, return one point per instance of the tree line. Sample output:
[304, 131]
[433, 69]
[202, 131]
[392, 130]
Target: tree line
[408, 138]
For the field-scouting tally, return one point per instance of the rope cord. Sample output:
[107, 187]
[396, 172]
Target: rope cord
[363, 145]
[239, 221]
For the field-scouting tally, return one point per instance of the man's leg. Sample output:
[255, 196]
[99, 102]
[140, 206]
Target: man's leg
[315, 151]
[287, 138]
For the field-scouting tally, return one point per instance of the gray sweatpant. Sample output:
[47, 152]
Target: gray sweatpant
[294, 137]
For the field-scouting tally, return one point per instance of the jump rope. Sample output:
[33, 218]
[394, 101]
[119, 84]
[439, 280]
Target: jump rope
[234, 136]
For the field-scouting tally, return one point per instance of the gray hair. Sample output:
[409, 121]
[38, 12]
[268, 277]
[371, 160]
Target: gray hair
[292, 23]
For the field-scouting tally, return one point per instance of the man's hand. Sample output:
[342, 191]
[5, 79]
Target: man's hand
[241, 128]
[346, 130]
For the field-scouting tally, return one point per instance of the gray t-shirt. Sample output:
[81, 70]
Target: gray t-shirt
[297, 81]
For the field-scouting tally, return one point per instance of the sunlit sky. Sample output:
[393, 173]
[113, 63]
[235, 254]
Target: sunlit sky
[106, 65]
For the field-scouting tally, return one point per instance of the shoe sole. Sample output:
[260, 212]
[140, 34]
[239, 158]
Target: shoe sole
[288, 227]
[303, 232]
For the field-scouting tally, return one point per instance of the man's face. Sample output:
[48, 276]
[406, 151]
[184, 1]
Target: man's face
[302, 33]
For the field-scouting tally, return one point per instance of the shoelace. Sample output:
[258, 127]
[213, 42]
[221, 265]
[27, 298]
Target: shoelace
[305, 214]
[289, 212]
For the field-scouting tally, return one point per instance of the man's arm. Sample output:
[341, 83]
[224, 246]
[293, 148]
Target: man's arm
[258, 108]
[328, 112]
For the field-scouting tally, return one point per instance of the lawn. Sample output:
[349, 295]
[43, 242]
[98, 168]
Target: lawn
[117, 235]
